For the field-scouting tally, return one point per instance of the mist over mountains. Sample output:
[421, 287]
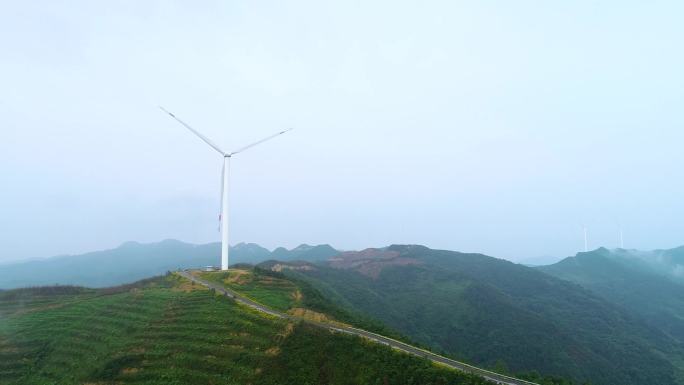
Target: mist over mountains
[649, 283]
[133, 261]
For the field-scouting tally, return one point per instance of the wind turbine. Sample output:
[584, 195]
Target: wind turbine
[586, 242]
[225, 175]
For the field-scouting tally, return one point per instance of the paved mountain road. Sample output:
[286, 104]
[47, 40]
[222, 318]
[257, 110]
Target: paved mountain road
[410, 349]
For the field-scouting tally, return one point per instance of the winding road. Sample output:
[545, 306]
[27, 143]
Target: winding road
[410, 349]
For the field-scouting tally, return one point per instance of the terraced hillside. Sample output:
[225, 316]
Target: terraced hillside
[169, 331]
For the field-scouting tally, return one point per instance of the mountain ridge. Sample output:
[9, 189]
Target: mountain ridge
[132, 261]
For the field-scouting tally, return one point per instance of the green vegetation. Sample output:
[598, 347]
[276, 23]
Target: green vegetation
[153, 334]
[29, 299]
[278, 293]
[503, 316]
[647, 283]
[314, 356]
[168, 331]
[288, 294]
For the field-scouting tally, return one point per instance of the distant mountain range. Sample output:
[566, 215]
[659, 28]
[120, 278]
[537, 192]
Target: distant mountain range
[133, 261]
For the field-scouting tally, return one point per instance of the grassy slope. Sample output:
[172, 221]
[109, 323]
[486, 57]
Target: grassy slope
[155, 335]
[278, 293]
[287, 293]
[168, 331]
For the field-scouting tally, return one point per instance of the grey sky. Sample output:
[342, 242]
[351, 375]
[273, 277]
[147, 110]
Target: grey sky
[490, 126]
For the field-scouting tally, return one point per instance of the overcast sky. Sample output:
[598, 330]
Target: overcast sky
[490, 126]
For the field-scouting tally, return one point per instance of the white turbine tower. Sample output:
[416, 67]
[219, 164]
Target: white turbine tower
[586, 241]
[225, 174]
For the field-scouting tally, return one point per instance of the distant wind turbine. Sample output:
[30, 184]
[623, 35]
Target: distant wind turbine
[225, 175]
[586, 242]
[622, 239]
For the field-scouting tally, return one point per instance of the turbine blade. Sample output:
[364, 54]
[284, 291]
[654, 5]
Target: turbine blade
[259, 142]
[204, 138]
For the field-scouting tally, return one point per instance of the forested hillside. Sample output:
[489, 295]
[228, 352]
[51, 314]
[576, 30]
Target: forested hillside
[650, 284]
[498, 314]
